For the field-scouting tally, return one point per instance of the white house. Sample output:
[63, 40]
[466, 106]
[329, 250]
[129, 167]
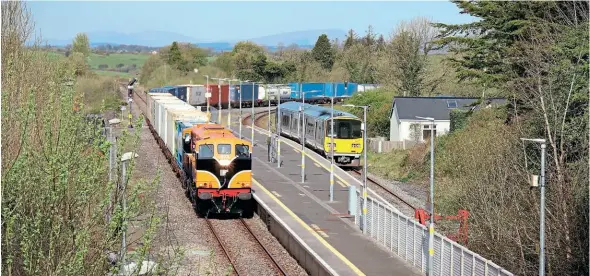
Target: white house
[405, 126]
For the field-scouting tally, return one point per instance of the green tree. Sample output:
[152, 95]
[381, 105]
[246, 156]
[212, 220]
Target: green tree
[174, 55]
[249, 61]
[81, 45]
[323, 53]
[351, 39]
[537, 53]
[225, 62]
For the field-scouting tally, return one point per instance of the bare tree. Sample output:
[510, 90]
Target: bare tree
[405, 67]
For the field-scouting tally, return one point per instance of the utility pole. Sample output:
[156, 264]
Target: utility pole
[278, 122]
[542, 205]
[125, 159]
[431, 226]
[218, 98]
[207, 93]
[332, 147]
[364, 129]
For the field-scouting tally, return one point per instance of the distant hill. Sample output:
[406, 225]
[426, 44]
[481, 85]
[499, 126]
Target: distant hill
[300, 37]
[303, 39]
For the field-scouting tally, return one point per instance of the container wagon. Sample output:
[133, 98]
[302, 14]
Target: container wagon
[216, 99]
[249, 92]
[191, 94]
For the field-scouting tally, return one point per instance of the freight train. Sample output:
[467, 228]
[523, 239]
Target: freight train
[215, 167]
[262, 95]
[348, 136]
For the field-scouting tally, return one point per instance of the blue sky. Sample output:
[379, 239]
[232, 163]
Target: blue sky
[220, 21]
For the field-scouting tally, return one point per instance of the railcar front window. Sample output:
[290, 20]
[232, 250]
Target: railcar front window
[242, 150]
[206, 151]
[347, 129]
[224, 149]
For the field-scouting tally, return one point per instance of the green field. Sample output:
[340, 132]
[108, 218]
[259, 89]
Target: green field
[113, 73]
[112, 60]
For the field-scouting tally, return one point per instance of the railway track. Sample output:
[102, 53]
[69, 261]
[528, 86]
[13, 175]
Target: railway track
[246, 253]
[260, 115]
[242, 262]
[385, 189]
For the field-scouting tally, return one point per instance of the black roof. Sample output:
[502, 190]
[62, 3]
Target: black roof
[435, 107]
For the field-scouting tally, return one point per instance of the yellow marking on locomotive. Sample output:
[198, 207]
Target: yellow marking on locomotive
[206, 179]
[242, 179]
[344, 145]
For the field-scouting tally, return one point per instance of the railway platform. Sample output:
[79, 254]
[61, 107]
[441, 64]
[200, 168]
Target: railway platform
[323, 226]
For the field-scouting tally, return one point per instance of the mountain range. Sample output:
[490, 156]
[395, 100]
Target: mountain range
[161, 38]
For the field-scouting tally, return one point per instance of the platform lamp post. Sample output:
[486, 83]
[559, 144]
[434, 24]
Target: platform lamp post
[431, 226]
[229, 102]
[279, 130]
[364, 129]
[219, 98]
[302, 138]
[252, 114]
[241, 91]
[332, 143]
[125, 160]
[542, 203]
[208, 92]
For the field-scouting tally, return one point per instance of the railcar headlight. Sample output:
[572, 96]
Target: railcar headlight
[224, 162]
[356, 145]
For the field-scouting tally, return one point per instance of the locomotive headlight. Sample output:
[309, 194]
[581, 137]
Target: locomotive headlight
[224, 162]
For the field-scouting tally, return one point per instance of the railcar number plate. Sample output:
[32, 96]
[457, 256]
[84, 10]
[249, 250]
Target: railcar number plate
[222, 172]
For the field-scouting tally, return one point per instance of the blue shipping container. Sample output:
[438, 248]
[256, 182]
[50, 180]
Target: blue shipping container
[180, 92]
[249, 92]
[310, 90]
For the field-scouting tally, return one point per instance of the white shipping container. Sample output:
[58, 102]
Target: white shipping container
[261, 92]
[172, 115]
[285, 92]
[196, 95]
[160, 113]
[166, 119]
[272, 93]
[150, 103]
[175, 115]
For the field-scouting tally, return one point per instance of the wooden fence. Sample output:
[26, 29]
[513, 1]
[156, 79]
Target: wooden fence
[380, 145]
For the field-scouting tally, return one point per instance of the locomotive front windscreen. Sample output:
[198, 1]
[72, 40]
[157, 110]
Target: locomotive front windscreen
[346, 129]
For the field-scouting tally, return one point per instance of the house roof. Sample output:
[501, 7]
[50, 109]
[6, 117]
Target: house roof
[439, 107]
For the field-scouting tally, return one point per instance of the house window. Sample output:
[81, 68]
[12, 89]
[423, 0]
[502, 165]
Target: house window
[452, 104]
[426, 129]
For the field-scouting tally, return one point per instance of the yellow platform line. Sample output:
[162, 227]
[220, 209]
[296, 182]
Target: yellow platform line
[308, 228]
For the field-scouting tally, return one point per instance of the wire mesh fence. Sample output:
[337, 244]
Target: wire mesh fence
[408, 239]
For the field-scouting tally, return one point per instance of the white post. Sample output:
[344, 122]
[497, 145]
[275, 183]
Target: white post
[365, 169]
[302, 140]
[240, 131]
[332, 147]
[208, 93]
[252, 115]
[278, 122]
[229, 104]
